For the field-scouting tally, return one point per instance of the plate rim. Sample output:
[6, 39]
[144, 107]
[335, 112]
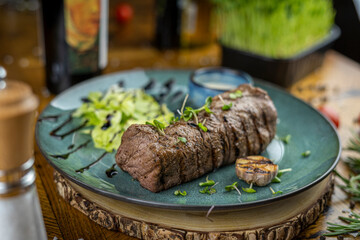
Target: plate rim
[182, 207]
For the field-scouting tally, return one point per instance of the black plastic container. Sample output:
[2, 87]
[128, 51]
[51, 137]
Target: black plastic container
[281, 71]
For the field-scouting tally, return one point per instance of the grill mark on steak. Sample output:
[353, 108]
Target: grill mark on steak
[230, 137]
[217, 139]
[253, 118]
[239, 139]
[206, 153]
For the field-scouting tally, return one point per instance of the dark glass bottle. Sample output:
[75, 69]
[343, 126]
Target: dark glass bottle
[183, 23]
[168, 24]
[75, 41]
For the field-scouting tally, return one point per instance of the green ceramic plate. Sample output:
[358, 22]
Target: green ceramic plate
[309, 130]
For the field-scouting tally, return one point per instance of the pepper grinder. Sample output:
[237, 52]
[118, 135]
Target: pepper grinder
[20, 213]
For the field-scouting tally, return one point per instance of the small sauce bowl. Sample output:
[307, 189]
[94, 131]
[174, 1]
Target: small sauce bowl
[211, 81]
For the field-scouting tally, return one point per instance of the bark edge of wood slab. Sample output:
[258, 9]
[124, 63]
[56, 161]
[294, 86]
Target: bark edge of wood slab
[146, 230]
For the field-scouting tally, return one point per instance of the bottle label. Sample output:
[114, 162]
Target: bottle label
[86, 35]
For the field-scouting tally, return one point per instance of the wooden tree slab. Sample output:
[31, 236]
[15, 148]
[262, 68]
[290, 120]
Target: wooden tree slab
[282, 219]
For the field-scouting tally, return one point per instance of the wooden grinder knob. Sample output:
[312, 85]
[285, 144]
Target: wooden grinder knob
[17, 116]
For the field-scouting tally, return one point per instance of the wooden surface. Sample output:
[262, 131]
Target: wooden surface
[20, 54]
[281, 220]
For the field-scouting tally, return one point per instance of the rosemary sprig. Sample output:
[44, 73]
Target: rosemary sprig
[353, 225]
[354, 146]
[351, 187]
[354, 143]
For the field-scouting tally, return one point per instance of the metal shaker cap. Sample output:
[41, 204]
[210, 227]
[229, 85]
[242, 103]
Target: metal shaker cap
[17, 118]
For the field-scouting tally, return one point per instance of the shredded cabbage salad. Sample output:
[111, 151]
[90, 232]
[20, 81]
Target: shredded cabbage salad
[109, 114]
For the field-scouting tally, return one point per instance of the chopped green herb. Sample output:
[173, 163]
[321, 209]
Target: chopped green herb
[182, 139]
[279, 174]
[281, 171]
[205, 190]
[306, 153]
[231, 187]
[227, 107]
[190, 113]
[174, 120]
[202, 127]
[207, 183]
[276, 180]
[273, 192]
[249, 190]
[212, 191]
[178, 192]
[208, 190]
[235, 95]
[207, 109]
[209, 186]
[208, 101]
[286, 139]
[158, 125]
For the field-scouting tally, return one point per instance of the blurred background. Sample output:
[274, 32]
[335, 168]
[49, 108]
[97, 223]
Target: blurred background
[191, 34]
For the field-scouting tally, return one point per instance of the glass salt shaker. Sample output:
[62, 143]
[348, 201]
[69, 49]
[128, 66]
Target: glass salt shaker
[20, 213]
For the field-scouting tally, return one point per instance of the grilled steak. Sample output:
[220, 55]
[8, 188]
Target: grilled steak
[159, 161]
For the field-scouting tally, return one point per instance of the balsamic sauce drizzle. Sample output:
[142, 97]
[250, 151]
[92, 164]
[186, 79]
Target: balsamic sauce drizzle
[110, 172]
[61, 136]
[150, 84]
[87, 167]
[49, 117]
[65, 156]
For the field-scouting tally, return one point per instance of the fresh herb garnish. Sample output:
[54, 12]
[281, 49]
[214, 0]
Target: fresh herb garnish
[209, 186]
[286, 139]
[306, 153]
[182, 139]
[190, 113]
[174, 120]
[279, 174]
[178, 192]
[207, 183]
[276, 180]
[158, 125]
[235, 95]
[249, 189]
[202, 127]
[353, 225]
[226, 106]
[273, 192]
[231, 187]
[208, 190]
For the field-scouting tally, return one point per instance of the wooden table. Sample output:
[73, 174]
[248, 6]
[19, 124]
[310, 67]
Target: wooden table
[20, 56]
